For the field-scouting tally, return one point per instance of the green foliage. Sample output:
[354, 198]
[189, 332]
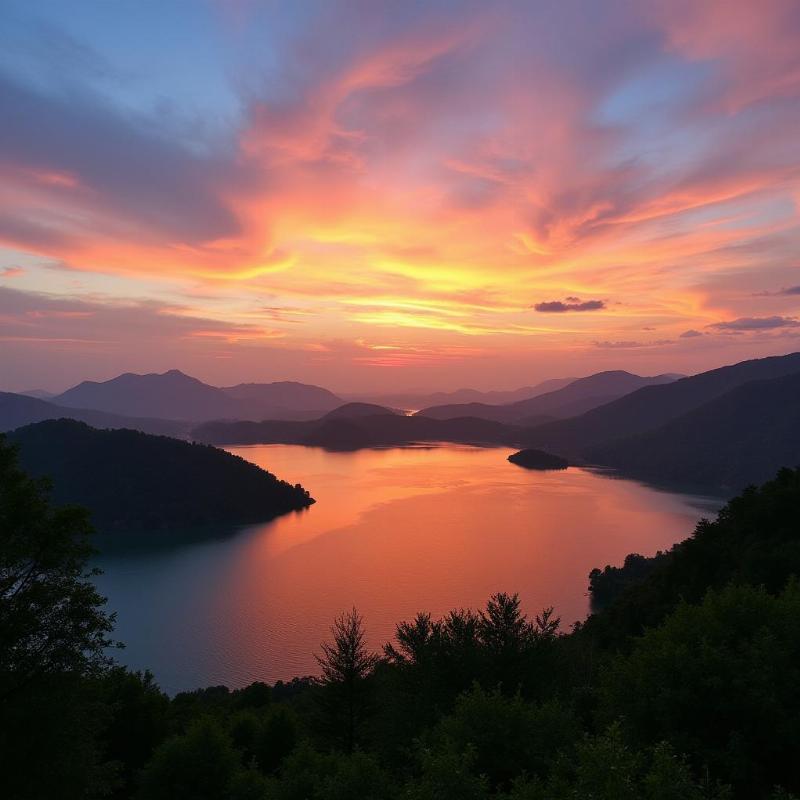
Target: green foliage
[257, 695]
[754, 540]
[135, 719]
[606, 584]
[448, 775]
[248, 784]
[604, 768]
[505, 736]
[275, 739]
[200, 764]
[721, 681]
[53, 638]
[52, 619]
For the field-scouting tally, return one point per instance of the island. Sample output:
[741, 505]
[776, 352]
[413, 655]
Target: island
[135, 481]
[537, 459]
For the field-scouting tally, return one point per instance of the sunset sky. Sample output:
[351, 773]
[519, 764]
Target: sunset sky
[386, 195]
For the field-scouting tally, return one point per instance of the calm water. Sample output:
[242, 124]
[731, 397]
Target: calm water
[393, 532]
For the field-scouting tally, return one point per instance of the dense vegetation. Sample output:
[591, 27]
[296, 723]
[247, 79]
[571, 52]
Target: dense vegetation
[685, 687]
[129, 479]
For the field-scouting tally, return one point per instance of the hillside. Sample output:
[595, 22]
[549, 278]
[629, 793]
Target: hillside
[738, 439]
[357, 410]
[18, 409]
[653, 406]
[754, 540]
[135, 481]
[575, 398]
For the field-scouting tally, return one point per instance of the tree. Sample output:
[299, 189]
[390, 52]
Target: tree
[201, 764]
[721, 682]
[54, 632]
[275, 739]
[346, 664]
[511, 641]
[503, 737]
[52, 619]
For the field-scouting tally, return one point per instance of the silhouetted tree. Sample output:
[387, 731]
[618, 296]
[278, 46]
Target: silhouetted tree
[52, 619]
[54, 632]
[346, 664]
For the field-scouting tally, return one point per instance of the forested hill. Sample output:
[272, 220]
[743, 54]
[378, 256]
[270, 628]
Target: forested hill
[129, 479]
[738, 439]
[653, 406]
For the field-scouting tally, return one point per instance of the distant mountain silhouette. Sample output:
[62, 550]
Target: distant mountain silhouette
[740, 438]
[131, 480]
[352, 433]
[170, 395]
[411, 400]
[41, 394]
[175, 395]
[286, 395]
[575, 398]
[653, 406]
[17, 410]
[356, 410]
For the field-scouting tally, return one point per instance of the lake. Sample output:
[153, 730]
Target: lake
[393, 532]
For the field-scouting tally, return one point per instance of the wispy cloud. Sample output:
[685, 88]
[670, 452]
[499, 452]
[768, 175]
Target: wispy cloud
[756, 324]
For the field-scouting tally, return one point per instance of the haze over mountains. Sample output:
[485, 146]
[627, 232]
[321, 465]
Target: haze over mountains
[576, 397]
[174, 395]
[417, 400]
[19, 409]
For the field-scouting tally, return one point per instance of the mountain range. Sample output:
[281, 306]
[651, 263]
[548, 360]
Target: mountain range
[175, 395]
[653, 406]
[19, 409]
[415, 401]
[574, 398]
[737, 439]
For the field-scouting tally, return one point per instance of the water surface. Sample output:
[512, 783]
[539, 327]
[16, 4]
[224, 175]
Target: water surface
[393, 532]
